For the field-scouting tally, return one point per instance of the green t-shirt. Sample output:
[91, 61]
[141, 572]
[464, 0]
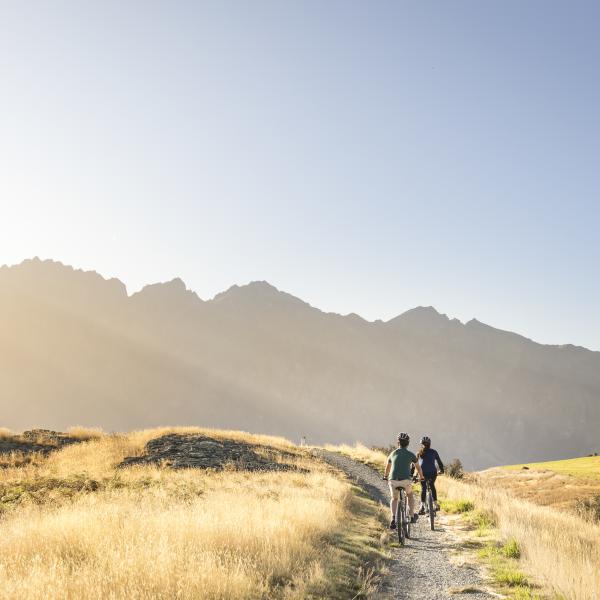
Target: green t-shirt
[401, 459]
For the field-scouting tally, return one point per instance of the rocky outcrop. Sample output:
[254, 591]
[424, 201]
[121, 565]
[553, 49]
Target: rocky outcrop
[198, 451]
[36, 440]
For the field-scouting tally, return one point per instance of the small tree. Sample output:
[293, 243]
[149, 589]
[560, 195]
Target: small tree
[455, 469]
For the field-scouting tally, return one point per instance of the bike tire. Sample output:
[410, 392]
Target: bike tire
[400, 520]
[431, 510]
[407, 517]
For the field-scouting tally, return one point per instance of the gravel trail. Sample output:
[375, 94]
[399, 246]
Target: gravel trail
[422, 569]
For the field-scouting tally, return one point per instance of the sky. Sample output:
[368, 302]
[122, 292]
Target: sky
[367, 157]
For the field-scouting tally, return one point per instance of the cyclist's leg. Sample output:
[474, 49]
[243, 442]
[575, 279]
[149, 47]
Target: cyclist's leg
[423, 491]
[433, 490]
[394, 495]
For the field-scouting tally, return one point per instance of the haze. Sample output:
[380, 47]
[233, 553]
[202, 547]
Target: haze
[76, 349]
[367, 158]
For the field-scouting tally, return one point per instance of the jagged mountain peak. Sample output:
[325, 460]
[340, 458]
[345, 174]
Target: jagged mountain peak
[55, 277]
[174, 285]
[257, 294]
[174, 291]
[420, 316]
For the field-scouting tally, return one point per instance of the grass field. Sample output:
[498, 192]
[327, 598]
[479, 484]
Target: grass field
[557, 525]
[559, 548]
[562, 484]
[79, 527]
[587, 467]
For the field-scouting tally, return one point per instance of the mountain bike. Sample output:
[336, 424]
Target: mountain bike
[402, 516]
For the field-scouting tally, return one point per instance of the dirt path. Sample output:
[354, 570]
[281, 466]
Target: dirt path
[423, 569]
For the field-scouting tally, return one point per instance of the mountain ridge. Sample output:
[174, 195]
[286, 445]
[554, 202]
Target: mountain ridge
[178, 284]
[75, 348]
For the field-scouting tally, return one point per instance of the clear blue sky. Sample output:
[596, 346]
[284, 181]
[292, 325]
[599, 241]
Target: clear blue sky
[366, 156]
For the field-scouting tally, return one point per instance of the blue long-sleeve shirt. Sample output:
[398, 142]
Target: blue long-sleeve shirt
[427, 461]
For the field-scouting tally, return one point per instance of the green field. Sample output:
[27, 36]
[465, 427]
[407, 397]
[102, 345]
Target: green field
[587, 467]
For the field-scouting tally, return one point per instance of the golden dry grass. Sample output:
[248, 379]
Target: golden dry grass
[146, 532]
[361, 453]
[86, 433]
[559, 548]
[546, 487]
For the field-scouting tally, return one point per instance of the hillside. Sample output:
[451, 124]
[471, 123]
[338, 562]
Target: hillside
[159, 514]
[572, 484]
[75, 348]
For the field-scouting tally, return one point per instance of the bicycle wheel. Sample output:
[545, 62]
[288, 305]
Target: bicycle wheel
[430, 508]
[407, 516]
[400, 518]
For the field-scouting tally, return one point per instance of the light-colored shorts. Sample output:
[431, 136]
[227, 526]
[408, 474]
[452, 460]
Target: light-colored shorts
[404, 483]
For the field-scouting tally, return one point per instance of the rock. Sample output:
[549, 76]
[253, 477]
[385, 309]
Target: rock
[36, 440]
[184, 451]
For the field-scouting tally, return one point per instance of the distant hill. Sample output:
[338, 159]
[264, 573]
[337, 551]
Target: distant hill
[75, 349]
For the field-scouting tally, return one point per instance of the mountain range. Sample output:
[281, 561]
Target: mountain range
[75, 349]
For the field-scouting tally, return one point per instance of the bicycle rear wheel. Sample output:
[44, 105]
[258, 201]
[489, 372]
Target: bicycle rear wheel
[431, 509]
[407, 516]
[400, 518]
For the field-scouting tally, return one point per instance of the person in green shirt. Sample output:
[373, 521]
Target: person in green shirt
[398, 472]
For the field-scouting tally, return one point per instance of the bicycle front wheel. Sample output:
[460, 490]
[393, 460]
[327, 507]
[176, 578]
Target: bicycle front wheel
[431, 510]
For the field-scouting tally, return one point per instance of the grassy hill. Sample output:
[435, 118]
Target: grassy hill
[144, 515]
[571, 484]
[586, 467]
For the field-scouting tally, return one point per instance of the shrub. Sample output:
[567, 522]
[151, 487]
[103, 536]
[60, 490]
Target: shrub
[455, 469]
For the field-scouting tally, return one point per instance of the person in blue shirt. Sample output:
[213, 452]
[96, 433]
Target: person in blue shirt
[428, 457]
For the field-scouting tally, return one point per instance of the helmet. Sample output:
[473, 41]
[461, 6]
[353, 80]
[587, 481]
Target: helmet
[403, 436]
[426, 441]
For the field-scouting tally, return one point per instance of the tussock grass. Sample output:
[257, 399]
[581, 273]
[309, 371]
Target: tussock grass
[456, 506]
[562, 549]
[86, 433]
[511, 549]
[79, 527]
[502, 562]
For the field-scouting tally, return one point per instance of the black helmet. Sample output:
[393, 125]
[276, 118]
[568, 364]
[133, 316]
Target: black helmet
[426, 441]
[403, 436]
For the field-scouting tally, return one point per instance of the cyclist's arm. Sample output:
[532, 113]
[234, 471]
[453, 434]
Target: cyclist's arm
[439, 462]
[388, 466]
[419, 471]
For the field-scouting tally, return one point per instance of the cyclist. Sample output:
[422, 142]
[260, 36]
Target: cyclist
[427, 458]
[398, 474]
